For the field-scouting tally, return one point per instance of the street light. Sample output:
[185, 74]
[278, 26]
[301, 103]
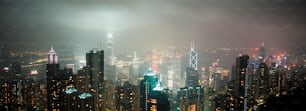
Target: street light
[70, 91]
[83, 96]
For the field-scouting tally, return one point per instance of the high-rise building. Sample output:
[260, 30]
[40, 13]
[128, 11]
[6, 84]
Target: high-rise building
[109, 50]
[146, 87]
[57, 80]
[240, 84]
[262, 53]
[262, 80]
[193, 60]
[95, 71]
[192, 78]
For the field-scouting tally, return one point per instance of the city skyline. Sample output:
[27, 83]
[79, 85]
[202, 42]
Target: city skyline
[210, 55]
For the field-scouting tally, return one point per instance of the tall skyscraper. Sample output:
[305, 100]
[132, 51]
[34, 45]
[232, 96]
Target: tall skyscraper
[109, 50]
[192, 78]
[262, 53]
[95, 71]
[241, 71]
[191, 71]
[146, 87]
[262, 81]
[57, 80]
[193, 60]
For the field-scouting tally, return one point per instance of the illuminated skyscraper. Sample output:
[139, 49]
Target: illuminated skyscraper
[240, 86]
[262, 53]
[193, 60]
[52, 57]
[170, 76]
[191, 71]
[95, 71]
[57, 80]
[262, 82]
[109, 50]
[146, 87]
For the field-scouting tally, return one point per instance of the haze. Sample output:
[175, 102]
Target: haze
[146, 23]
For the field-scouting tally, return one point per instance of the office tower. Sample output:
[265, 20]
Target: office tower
[109, 50]
[217, 81]
[262, 81]
[170, 76]
[262, 53]
[95, 71]
[57, 80]
[191, 77]
[146, 87]
[193, 59]
[191, 71]
[242, 79]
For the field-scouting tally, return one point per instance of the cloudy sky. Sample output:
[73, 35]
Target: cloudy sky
[155, 23]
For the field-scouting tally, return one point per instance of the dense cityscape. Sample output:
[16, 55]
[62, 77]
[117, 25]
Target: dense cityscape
[210, 55]
[156, 81]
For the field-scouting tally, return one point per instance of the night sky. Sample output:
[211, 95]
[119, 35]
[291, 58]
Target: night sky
[154, 23]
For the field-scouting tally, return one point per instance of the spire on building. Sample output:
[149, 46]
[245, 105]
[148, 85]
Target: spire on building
[193, 60]
[52, 56]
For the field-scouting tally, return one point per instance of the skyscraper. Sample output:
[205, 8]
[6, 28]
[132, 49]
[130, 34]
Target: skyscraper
[262, 53]
[146, 87]
[95, 71]
[192, 78]
[262, 81]
[240, 84]
[193, 60]
[191, 71]
[109, 50]
[57, 80]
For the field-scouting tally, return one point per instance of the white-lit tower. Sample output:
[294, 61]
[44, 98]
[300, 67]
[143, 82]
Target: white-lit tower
[193, 60]
[109, 50]
[262, 53]
[52, 57]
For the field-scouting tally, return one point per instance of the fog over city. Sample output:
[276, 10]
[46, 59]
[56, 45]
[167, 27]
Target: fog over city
[152, 55]
[154, 24]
